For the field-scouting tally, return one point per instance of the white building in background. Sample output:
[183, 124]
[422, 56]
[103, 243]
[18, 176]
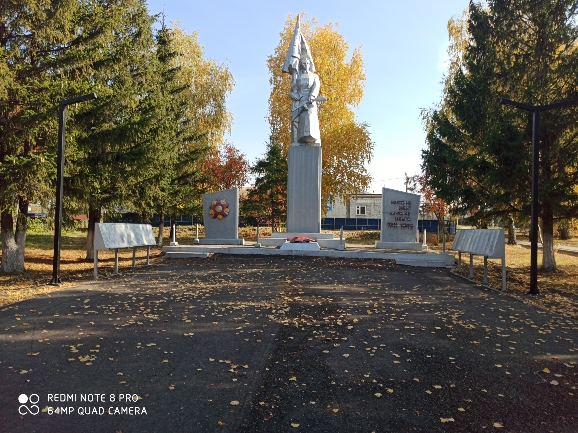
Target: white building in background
[358, 206]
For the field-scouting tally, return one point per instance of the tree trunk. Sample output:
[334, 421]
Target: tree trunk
[548, 259]
[442, 226]
[13, 243]
[93, 218]
[511, 231]
[161, 229]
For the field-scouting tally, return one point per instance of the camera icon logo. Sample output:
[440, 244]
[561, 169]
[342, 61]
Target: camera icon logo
[33, 409]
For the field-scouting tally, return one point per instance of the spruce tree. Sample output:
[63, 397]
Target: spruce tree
[268, 198]
[479, 153]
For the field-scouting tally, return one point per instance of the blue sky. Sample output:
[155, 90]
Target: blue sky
[403, 45]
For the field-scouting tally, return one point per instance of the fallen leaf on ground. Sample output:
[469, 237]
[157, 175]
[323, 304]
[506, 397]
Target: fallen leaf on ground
[234, 403]
[446, 420]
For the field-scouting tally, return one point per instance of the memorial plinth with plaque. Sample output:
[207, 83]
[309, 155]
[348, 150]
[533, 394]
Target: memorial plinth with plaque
[399, 221]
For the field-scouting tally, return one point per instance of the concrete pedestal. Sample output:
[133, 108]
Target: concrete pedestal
[304, 190]
[300, 246]
[205, 241]
[411, 246]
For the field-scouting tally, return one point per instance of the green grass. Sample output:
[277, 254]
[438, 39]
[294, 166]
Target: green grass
[69, 240]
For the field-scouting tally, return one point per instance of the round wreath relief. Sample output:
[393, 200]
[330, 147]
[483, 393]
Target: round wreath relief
[219, 208]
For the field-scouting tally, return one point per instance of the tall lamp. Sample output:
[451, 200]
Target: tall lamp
[536, 110]
[59, 180]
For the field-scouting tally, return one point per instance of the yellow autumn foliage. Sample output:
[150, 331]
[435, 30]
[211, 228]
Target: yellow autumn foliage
[208, 85]
[345, 141]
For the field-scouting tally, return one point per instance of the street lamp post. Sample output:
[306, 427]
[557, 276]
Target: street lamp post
[536, 110]
[59, 180]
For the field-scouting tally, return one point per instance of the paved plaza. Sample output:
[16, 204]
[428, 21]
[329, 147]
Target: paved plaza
[285, 344]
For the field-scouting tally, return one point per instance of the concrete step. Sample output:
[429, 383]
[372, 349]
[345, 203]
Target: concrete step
[186, 254]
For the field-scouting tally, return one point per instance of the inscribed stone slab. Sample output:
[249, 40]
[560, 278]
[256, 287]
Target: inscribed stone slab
[399, 216]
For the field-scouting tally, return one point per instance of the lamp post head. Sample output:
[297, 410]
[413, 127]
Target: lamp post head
[77, 99]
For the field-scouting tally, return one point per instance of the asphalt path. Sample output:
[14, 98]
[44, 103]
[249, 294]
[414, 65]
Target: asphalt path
[285, 344]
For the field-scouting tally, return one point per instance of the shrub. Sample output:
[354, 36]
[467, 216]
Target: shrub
[37, 225]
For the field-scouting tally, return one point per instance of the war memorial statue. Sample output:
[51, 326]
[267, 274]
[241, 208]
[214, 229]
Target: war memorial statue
[304, 176]
[304, 91]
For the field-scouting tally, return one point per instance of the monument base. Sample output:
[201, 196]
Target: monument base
[325, 240]
[304, 189]
[411, 246]
[300, 246]
[315, 236]
[221, 241]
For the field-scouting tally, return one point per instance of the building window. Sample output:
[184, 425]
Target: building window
[359, 210]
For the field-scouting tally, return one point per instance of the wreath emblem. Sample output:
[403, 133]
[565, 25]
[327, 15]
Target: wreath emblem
[219, 208]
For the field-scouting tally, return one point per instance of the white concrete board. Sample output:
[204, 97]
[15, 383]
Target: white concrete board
[122, 235]
[489, 243]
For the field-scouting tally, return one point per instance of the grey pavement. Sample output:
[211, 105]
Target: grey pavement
[560, 248]
[279, 344]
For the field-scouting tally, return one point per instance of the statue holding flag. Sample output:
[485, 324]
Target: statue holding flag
[304, 91]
